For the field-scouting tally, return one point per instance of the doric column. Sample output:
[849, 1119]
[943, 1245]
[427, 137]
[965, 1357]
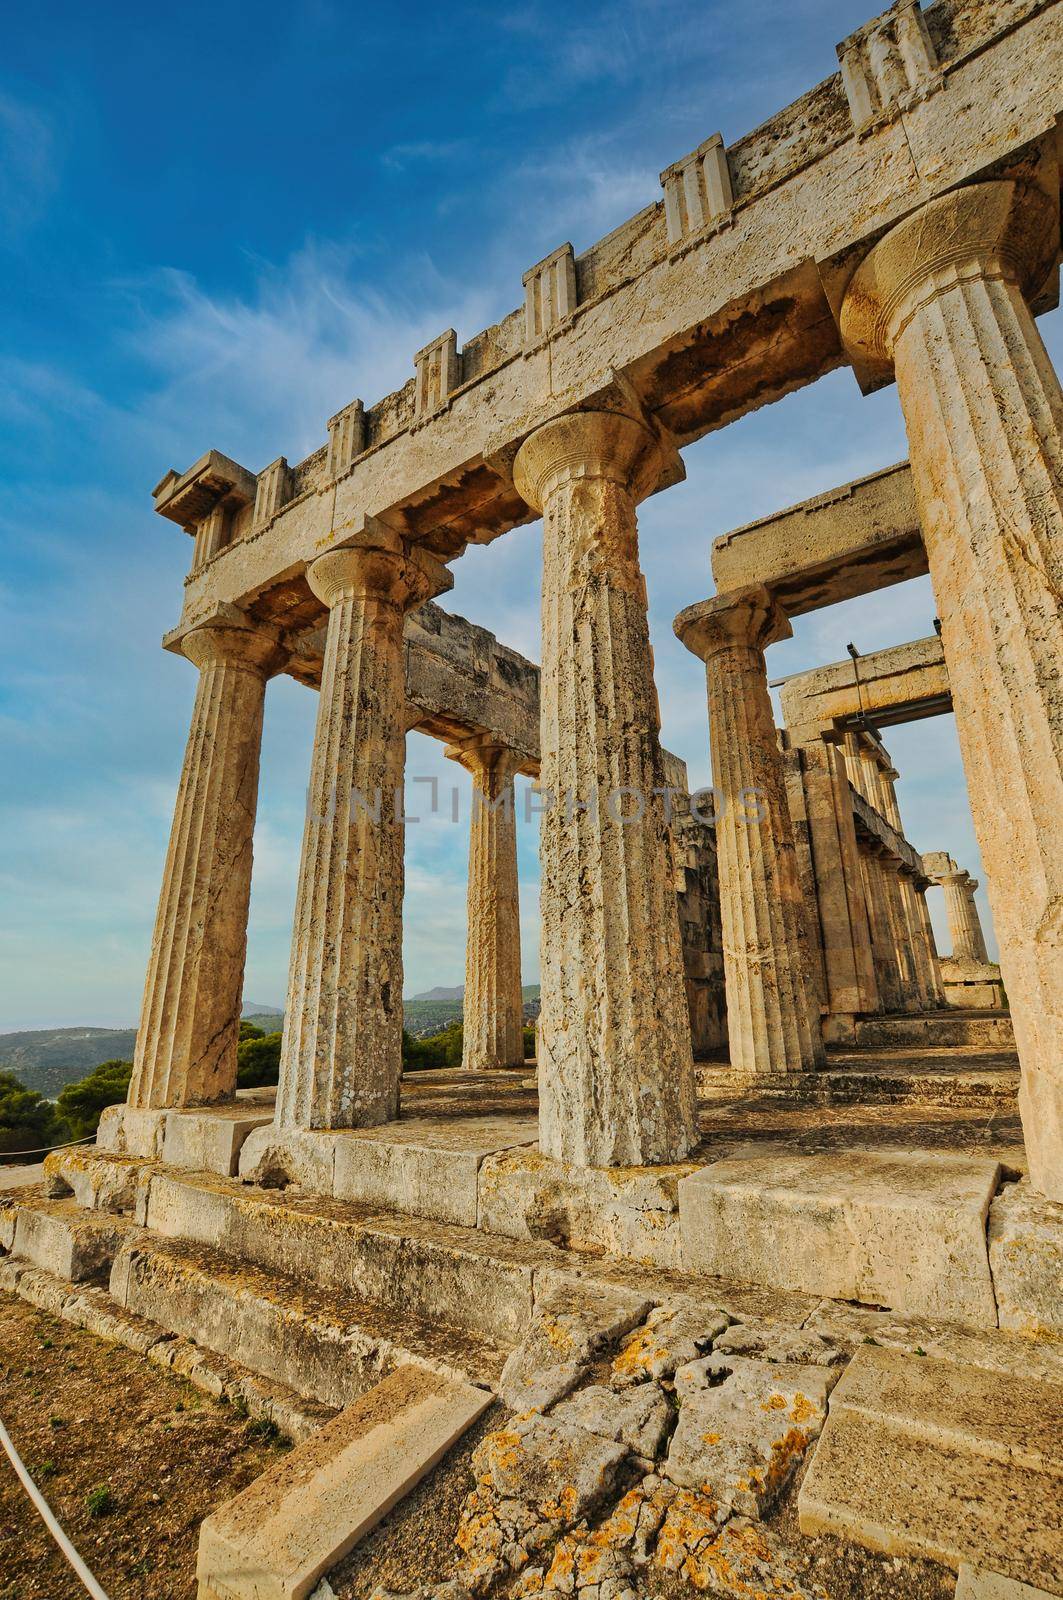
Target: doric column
[882, 937]
[965, 926]
[771, 1028]
[492, 1009]
[920, 885]
[341, 1057]
[616, 1077]
[190, 1016]
[943, 298]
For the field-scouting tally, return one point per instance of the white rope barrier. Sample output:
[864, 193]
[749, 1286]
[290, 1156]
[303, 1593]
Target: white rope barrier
[48, 1519]
[11, 1157]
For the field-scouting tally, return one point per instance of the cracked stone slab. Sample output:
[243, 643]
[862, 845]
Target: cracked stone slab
[778, 1341]
[673, 1335]
[641, 1417]
[1026, 1258]
[561, 1470]
[572, 1321]
[744, 1427]
[904, 1229]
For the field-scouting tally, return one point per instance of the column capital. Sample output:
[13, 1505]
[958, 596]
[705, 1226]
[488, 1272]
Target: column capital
[589, 444]
[1001, 229]
[232, 638]
[484, 754]
[749, 618]
[375, 567]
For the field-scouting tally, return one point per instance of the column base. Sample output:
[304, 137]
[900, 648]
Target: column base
[973, 985]
[839, 1027]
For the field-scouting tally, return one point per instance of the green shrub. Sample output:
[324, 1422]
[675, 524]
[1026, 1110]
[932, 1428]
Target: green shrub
[81, 1104]
[27, 1120]
[101, 1500]
[258, 1059]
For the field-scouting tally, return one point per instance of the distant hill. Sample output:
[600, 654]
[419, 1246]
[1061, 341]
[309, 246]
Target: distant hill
[49, 1058]
[438, 993]
[427, 1013]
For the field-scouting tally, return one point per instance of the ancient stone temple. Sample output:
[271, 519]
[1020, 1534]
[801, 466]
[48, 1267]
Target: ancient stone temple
[782, 1192]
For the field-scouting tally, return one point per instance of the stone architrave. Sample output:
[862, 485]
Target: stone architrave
[492, 1009]
[616, 1077]
[771, 1028]
[341, 1056]
[943, 300]
[190, 1015]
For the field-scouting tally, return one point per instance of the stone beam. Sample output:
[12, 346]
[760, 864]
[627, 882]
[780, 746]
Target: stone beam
[696, 328]
[460, 682]
[852, 540]
[901, 684]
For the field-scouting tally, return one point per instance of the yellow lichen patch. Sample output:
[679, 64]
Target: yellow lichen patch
[803, 1408]
[775, 1402]
[710, 1438]
[638, 1354]
[557, 1336]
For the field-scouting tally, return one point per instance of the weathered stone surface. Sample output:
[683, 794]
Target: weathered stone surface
[276, 1157]
[742, 1558]
[849, 1327]
[190, 1016]
[976, 1583]
[572, 1322]
[1026, 1258]
[778, 1341]
[210, 1141]
[402, 1264]
[625, 1211]
[744, 1427]
[132, 1131]
[673, 1334]
[341, 1057]
[942, 301]
[561, 1471]
[772, 1016]
[902, 1229]
[423, 1168]
[492, 1004]
[616, 1076]
[935, 1459]
[99, 1183]
[641, 1417]
[276, 1539]
[60, 1238]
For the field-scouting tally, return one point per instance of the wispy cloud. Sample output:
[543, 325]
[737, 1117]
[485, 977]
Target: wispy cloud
[424, 153]
[28, 164]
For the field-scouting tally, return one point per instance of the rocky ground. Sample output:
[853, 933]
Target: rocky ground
[130, 1459]
[639, 1456]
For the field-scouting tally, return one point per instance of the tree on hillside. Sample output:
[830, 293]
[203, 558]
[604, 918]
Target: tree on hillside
[27, 1120]
[80, 1104]
[258, 1059]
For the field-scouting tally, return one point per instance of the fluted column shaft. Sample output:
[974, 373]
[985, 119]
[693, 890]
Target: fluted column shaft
[929, 944]
[341, 1056]
[492, 1008]
[944, 298]
[616, 1081]
[965, 925]
[771, 1026]
[882, 937]
[190, 1016]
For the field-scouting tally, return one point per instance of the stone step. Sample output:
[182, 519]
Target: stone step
[325, 1344]
[992, 1029]
[900, 1229]
[59, 1236]
[942, 1460]
[991, 1089]
[436, 1271]
[277, 1538]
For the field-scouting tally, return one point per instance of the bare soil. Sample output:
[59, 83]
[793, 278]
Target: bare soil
[86, 1415]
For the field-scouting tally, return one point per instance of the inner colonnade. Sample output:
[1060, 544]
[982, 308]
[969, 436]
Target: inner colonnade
[619, 358]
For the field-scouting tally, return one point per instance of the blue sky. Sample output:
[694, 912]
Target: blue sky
[217, 226]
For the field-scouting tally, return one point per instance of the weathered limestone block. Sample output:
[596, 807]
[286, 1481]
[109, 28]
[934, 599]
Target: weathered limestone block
[572, 1321]
[98, 1183]
[295, 1522]
[673, 1335]
[976, 1583]
[629, 1212]
[561, 1470]
[742, 1558]
[772, 1019]
[341, 1058]
[640, 1417]
[275, 1157]
[942, 299]
[744, 1427]
[59, 1237]
[425, 1168]
[616, 1077]
[211, 1141]
[944, 1461]
[778, 1341]
[903, 1229]
[492, 1009]
[190, 1016]
[1026, 1259]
